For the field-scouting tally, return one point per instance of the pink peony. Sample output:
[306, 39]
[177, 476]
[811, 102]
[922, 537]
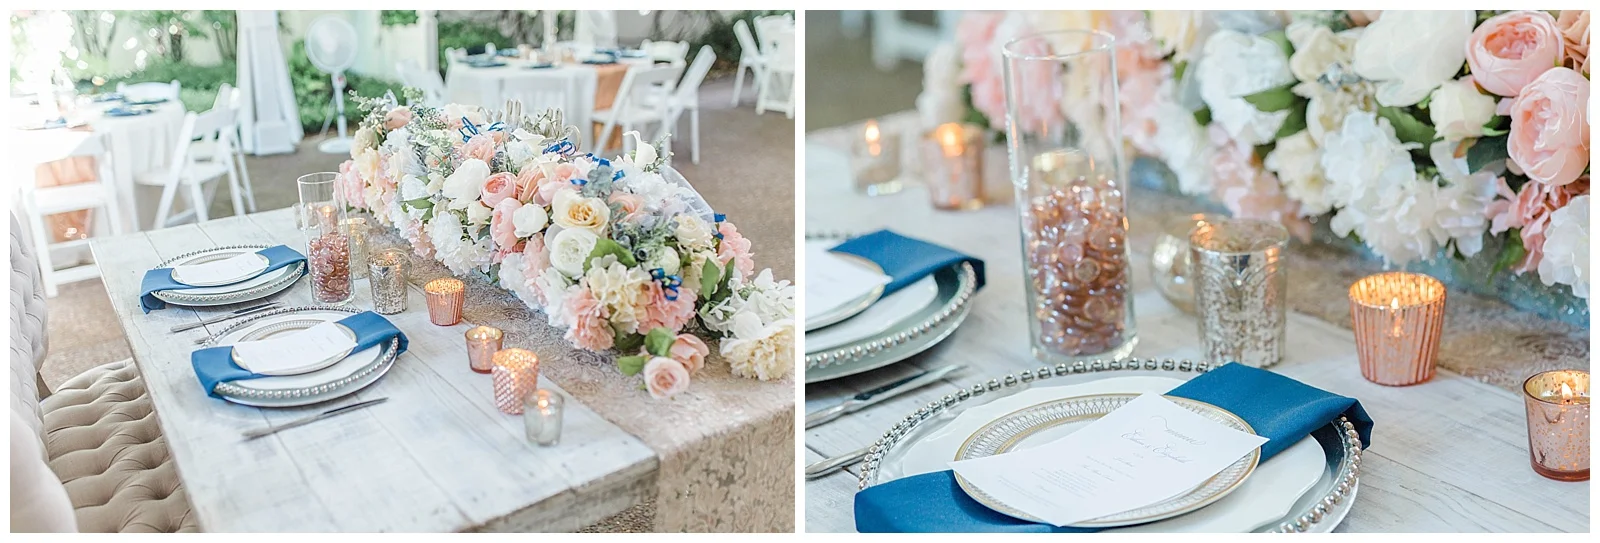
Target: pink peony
[665, 377]
[1550, 128]
[690, 351]
[546, 194]
[736, 248]
[1511, 49]
[1574, 26]
[1248, 190]
[1140, 73]
[350, 185]
[980, 68]
[501, 230]
[663, 313]
[480, 147]
[498, 187]
[590, 329]
[1530, 211]
[397, 118]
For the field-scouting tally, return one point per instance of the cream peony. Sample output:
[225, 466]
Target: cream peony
[1236, 65]
[1566, 248]
[1296, 160]
[1409, 53]
[569, 250]
[1458, 110]
[1183, 146]
[621, 290]
[761, 352]
[466, 183]
[530, 220]
[573, 211]
[1177, 31]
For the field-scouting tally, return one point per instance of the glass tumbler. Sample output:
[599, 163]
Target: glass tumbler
[1067, 167]
[322, 218]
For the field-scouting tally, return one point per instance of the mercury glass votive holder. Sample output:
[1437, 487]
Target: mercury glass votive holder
[1558, 423]
[358, 229]
[386, 273]
[954, 155]
[1398, 318]
[445, 295]
[516, 375]
[541, 416]
[1240, 290]
[482, 344]
[1170, 260]
[875, 160]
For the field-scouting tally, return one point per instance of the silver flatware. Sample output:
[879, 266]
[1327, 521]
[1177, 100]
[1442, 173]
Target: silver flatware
[225, 316]
[865, 399]
[259, 432]
[830, 465]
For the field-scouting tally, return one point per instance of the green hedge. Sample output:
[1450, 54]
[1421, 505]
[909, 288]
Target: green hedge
[461, 34]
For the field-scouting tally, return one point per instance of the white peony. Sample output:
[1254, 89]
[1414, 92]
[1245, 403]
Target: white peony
[478, 214]
[529, 220]
[556, 287]
[693, 233]
[761, 352]
[465, 184]
[1409, 53]
[570, 248]
[1296, 160]
[1566, 248]
[1459, 215]
[1236, 65]
[1459, 111]
[1184, 147]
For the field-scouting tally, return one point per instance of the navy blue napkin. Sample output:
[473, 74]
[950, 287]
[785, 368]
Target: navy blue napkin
[215, 365]
[904, 259]
[161, 278]
[1279, 408]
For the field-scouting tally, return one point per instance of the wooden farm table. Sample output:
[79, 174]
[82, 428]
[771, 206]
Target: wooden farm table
[1448, 455]
[438, 456]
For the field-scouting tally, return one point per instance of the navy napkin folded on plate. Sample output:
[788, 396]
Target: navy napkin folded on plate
[215, 365]
[1279, 408]
[161, 278]
[904, 259]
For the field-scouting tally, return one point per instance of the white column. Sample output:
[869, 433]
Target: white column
[270, 121]
[430, 37]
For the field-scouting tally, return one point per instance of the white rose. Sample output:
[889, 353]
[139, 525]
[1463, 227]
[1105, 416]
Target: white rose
[1178, 31]
[1317, 47]
[1459, 111]
[572, 210]
[464, 186]
[1409, 53]
[529, 220]
[1238, 65]
[1296, 161]
[764, 353]
[666, 258]
[570, 248]
[643, 154]
[692, 232]
[478, 214]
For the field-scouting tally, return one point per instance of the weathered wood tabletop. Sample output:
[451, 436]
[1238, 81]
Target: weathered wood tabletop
[1449, 455]
[438, 456]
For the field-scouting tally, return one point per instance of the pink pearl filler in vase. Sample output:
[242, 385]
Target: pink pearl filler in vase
[322, 218]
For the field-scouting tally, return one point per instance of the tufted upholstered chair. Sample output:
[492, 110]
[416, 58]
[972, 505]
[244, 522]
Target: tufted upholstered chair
[98, 431]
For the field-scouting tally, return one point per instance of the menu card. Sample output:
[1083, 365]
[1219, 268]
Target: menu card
[299, 352]
[221, 272]
[833, 281]
[1146, 451]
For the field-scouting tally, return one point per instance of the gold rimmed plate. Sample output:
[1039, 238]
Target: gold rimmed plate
[1048, 421]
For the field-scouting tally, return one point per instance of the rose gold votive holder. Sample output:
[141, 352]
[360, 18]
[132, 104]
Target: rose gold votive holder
[954, 155]
[516, 375]
[482, 343]
[1398, 318]
[445, 297]
[1558, 424]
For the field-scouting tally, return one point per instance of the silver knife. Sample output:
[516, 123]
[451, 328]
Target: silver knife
[864, 399]
[259, 432]
[225, 316]
[830, 465]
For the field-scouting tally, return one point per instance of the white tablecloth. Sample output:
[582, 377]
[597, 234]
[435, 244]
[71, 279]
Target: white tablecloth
[487, 87]
[137, 144]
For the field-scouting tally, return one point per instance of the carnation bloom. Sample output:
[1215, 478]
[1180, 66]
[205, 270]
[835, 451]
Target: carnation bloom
[1566, 248]
[1248, 191]
[735, 248]
[660, 312]
[1529, 210]
[760, 352]
[589, 328]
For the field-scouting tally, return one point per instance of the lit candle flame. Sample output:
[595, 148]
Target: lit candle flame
[872, 136]
[950, 138]
[1566, 393]
[1394, 305]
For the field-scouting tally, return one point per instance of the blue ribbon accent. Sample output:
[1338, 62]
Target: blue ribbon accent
[468, 130]
[579, 181]
[602, 162]
[563, 148]
[668, 282]
[617, 175]
[718, 217]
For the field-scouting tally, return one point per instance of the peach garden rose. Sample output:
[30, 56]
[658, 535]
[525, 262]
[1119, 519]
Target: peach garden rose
[1549, 136]
[689, 351]
[480, 147]
[498, 187]
[665, 377]
[1509, 50]
[1574, 26]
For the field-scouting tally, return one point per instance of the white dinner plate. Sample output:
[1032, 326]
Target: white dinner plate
[343, 376]
[284, 326]
[832, 315]
[255, 288]
[889, 310]
[258, 265]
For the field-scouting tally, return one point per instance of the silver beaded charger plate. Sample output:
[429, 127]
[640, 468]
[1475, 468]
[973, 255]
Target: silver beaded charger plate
[1048, 421]
[255, 288]
[1319, 509]
[916, 333]
[343, 377]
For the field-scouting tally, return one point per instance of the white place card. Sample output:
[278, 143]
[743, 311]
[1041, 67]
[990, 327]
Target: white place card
[228, 270]
[1146, 451]
[833, 281]
[292, 353]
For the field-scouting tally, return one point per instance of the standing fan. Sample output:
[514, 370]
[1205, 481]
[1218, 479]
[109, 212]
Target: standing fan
[331, 46]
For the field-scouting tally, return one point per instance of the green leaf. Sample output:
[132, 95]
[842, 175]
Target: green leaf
[420, 203]
[1295, 122]
[1203, 116]
[659, 341]
[1274, 99]
[1178, 69]
[1406, 126]
[1282, 39]
[1261, 151]
[1485, 151]
[631, 365]
[709, 277]
[605, 247]
[1511, 254]
[1498, 125]
[628, 343]
[722, 283]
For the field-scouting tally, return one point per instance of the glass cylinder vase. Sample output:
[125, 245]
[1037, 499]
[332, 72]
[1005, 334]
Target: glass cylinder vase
[322, 217]
[1067, 166]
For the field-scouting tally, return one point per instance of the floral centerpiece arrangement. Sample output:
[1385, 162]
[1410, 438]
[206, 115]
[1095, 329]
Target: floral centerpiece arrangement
[1419, 133]
[620, 253]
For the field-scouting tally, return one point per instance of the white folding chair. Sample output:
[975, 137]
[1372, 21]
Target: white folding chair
[768, 27]
[428, 81]
[780, 71]
[641, 86]
[228, 141]
[750, 58]
[41, 202]
[687, 98]
[676, 52]
[151, 91]
[195, 175]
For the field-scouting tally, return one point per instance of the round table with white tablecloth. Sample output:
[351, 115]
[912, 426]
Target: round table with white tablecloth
[589, 86]
[136, 144]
